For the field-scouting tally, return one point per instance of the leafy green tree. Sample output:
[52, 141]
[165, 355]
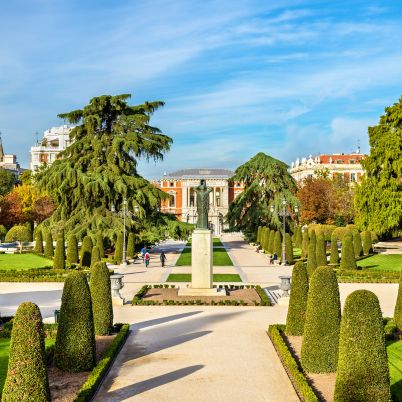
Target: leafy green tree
[86, 251]
[100, 244]
[20, 233]
[7, 181]
[357, 243]
[367, 242]
[72, 250]
[27, 378]
[118, 252]
[131, 245]
[48, 245]
[319, 353]
[378, 199]
[348, 260]
[95, 255]
[312, 254]
[75, 343]
[320, 251]
[278, 244]
[38, 242]
[98, 170]
[298, 300]
[289, 249]
[266, 181]
[59, 261]
[362, 373]
[334, 257]
[305, 243]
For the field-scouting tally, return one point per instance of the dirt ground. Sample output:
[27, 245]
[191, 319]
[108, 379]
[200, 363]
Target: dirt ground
[324, 384]
[65, 386]
[249, 296]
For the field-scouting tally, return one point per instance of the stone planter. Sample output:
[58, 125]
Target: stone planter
[116, 285]
[285, 285]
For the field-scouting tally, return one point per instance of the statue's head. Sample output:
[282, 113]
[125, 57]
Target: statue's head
[203, 183]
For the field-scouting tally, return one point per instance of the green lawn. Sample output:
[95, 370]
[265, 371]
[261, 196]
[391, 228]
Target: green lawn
[220, 257]
[382, 262]
[215, 241]
[23, 261]
[216, 278]
[394, 350]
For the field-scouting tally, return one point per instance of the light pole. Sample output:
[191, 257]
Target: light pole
[124, 262]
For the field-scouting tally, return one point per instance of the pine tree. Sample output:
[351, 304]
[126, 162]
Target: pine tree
[86, 251]
[321, 255]
[39, 242]
[305, 243]
[72, 250]
[289, 249]
[130, 245]
[48, 245]
[59, 261]
[118, 252]
[278, 244]
[334, 258]
[99, 243]
[95, 255]
[311, 257]
[357, 243]
[348, 260]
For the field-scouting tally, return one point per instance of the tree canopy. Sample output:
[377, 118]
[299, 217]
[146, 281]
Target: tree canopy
[7, 181]
[378, 199]
[266, 181]
[98, 170]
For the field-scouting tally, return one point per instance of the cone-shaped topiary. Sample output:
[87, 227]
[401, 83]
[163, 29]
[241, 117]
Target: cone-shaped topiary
[99, 243]
[398, 305]
[311, 257]
[348, 260]
[48, 245]
[95, 255]
[319, 353]
[130, 245]
[86, 251]
[39, 242]
[357, 243]
[305, 243]
[320, 251]
[334, 258]
[101, 299]
[59, 261]
[367, 243]
[299, 237]
[278, 244]
[264, 238]
[362, 373]
[72, 250]
[271, 239]
[267, 234]
[118, 252]
[298, 300]
[289, 249]
[259, 232]
[75, 342]
[27, 378]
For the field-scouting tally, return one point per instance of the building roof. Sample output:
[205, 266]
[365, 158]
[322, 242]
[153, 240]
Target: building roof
[204, 173]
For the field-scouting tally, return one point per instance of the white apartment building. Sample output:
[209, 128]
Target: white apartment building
[9, 161]
[55, 140]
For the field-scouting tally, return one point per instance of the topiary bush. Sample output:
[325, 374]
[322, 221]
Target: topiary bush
[278, 244]
[367, 243]
[259, 234]
[100, 244]
[289, 249]
[348, 260]
[320, 251]
[75, 342]
[319, 353]
[101, 299]
[72, 250]
[357, 243]
[271, 239]
[118, 252]
[59, 261]
[311, 257]
[398, 305]
[334, 257]
[38, 242]
[95, 255]
[305, 243]
[362, 373]
[298, 300]
[27, 378]
[86, 251]
[131, 245]
[48, 245]
[298, 237]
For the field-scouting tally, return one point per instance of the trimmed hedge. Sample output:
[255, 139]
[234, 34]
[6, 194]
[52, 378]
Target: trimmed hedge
[101, 296]
[86, 251]
[319, 353]
[298, 379]
[348, 260]
[357, 243]
[95, 255]
[49, 245]
[321, 254]
[27, 378]
[131, 245]
[289, 249]
[298, 300]
[38, 242]
[398, 306]
[278, 244]
[362, 373]
[94, 380]
[367, 243]
[298, 237]
[75, 342]
[118, 252]
[259, 234]
[99, 243]
[334, 257]
[311, 257]
[367, 276]
[270, 240]
[59, 261]
[264, 298]
[305, 243]
[72, 250]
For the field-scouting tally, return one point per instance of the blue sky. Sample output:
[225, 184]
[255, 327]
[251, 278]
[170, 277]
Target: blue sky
[288, 78]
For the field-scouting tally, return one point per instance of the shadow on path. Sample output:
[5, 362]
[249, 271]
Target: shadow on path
[162, 320]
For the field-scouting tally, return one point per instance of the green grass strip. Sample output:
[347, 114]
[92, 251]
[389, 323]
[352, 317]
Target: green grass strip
[394, 351]
[23, 261]
[220, 258]
[216, 278]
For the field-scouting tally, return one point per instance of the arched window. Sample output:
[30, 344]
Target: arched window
[172, 199]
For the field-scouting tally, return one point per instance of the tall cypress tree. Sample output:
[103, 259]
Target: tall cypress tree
[130, 245]
[72, 250]
[118, 252]
[321, 255]
[357, 243]
[86, 251]
[312, 257]
[39, 242]
[48, 245]
[278, 244]
[305, 242]
[99, 243]
[334, 258]
[59, 261]
[289, 249]
[271, 240]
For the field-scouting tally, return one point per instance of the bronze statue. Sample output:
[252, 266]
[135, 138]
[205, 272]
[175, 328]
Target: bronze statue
[202, 192]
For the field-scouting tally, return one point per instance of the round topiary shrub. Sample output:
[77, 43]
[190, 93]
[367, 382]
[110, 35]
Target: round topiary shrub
[59, 261]
[367, 243]
[118, 252]
[305, 243]
[398, 305]
[72, 250]
[298, 300]
[101, 299]
[289, 249]
[334, 257]
[27, 378]
[312, 256]
[99, 243]
[357, 243]
[48, 245]
[86, 251]
[38, 242]
[95, 256]
[362, 373]
[320, 251]
[75, 342]
[278, 244]
[319, 353]
[348, 260]
[130, 245]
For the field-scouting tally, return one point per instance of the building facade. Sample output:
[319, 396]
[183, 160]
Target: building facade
[54, 141]
[9, 161]
[345, 166]
[181, 186]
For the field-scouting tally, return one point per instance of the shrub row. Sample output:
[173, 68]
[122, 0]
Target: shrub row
[367, 276]
[295, 373]
[94, 380]
[264, 298]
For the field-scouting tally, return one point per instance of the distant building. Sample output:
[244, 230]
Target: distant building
[9, 161]
[183, 202]
[54, 141]
[346, 166]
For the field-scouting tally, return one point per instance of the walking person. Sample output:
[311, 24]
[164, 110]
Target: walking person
[147, 257]
[163, 258]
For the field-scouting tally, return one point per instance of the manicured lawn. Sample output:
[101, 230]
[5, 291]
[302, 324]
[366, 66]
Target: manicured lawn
[394, 350]
[23, 261]
[383, 262]
[216, 278]
[220, 257]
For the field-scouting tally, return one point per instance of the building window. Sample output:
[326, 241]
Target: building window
[172, 199]
[339, 161]
[352, 161]
[171, 184]
[353, 177]
[218, 197]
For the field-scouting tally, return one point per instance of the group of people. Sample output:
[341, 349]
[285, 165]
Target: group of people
[146, 257]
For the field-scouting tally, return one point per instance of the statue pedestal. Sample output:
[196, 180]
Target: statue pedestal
[201, 266]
